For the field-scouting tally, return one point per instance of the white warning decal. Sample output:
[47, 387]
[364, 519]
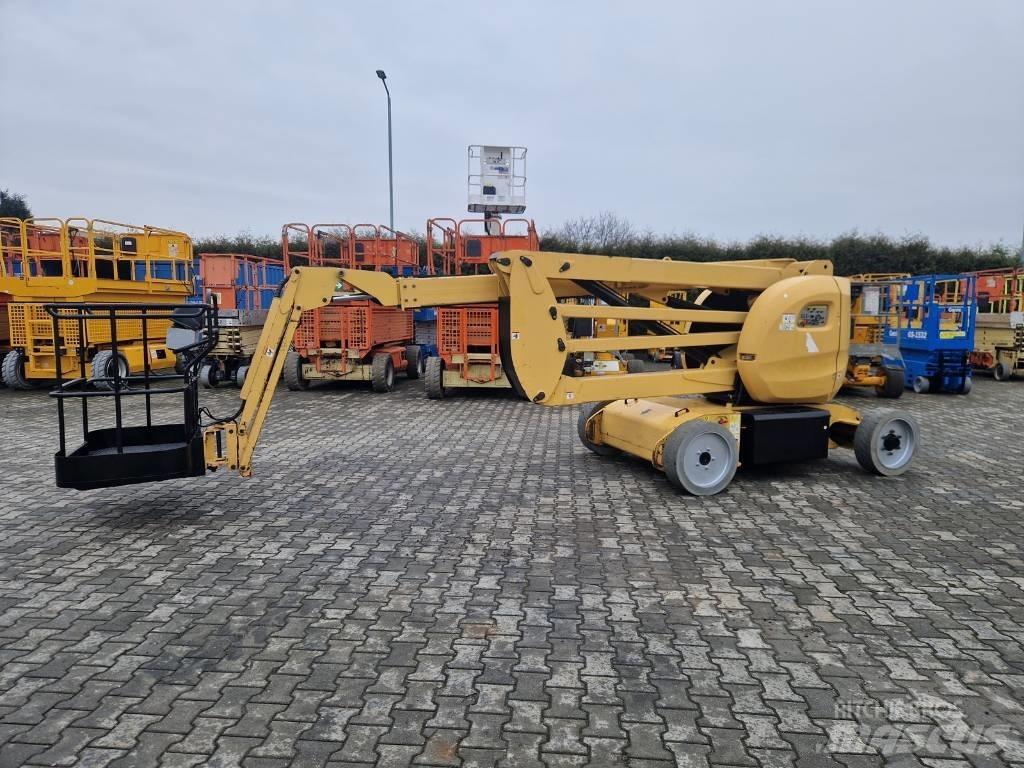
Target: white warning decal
[811, 346]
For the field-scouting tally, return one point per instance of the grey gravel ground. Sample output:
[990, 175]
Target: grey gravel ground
[460, 582]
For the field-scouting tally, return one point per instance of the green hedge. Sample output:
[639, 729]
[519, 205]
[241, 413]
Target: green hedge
[851, 254]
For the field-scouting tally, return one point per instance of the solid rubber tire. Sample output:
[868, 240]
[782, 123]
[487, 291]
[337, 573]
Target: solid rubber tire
[865, 441]
[100, 366]
[412, 361]
[382, 372]
[581, 429]
[895, 383]
[678, 441]
[433, 378]
[293, 378]
[13, 371]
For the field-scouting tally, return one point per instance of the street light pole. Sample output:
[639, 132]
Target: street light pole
[391, 173]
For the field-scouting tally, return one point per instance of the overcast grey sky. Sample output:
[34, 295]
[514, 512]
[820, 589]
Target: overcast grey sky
[726, 119]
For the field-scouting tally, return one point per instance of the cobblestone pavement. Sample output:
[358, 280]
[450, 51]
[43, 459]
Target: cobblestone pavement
[460, 582]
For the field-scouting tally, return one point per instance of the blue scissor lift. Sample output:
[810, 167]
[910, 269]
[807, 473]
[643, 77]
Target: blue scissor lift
[936, 333]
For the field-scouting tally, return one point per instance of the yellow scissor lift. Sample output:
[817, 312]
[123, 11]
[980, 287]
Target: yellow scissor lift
[875, 360]
[999, 331]
[47, 261]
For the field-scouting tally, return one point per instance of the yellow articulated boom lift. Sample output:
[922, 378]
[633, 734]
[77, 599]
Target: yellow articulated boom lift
[757, 388]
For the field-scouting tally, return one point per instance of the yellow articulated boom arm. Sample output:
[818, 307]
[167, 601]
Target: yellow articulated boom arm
[769, 331]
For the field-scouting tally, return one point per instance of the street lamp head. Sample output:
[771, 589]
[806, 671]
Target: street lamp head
[381, 75]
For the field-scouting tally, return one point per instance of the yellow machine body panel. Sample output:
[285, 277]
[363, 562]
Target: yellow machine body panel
[795, 342]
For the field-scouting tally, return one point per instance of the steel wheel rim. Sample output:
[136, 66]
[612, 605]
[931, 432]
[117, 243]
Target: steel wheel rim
[707, 460]
[895, 443]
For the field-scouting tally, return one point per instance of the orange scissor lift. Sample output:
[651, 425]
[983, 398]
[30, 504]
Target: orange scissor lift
[468, 336]
[357, 340]
[49, 260]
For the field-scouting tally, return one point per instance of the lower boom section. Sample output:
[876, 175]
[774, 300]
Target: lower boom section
[700, 444]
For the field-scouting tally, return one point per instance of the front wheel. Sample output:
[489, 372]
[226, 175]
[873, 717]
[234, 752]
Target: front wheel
[701, 457]
[210, 375]
[105, 368]
[293, 378]
[240, 373]
[885, 442]
[922, 384]
[13, 371]
[413, 365]
[895, 383]
[966, 386]
[581, 429]
[1002, 371]
[382, 372]
[434, 378]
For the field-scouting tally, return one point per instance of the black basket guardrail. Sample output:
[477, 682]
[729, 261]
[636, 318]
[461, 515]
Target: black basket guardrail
[125, 454]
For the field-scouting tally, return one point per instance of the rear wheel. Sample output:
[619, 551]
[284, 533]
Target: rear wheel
[382, 372]
[106, 366]
[412, 362]
[13, 370]
[240, 373]
[885, 442]
[967, 386]
[922, 384]
[895, 383]
[1002, 371]
[581, 429]
[701, 457]
[636, 365]
[293, 377]
[434, 378]
[210, 375]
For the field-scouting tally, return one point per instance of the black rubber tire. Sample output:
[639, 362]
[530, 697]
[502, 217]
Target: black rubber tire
[293, 378]
[210, 375]
[102, 365]
[675, 454]
[240, 373]
[433, 378]
[867, 441]
[1001, 371]
[412, 362]
[967, 386]
[922, 385]
[895, 383]
[581, 429]
[13, 371]
[636, 365]
[382, 372]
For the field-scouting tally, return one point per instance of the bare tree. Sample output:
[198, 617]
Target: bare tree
[607, 231]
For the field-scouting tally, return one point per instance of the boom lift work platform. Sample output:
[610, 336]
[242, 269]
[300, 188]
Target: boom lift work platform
[79, 260]
[758, 388]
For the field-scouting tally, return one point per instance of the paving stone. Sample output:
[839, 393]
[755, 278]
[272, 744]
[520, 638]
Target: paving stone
[507, 598]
